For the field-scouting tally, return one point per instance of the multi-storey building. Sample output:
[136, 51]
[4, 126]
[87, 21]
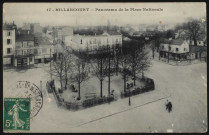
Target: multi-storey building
[176, 49]
[92, 42]
[43, 50]
[24, 49]
[9, 32]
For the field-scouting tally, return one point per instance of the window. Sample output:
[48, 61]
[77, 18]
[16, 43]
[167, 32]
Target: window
[177, 49]
[24, 44]
[190, 42]
[81, 41]
[31, 59]
[162, 47]
[9, 33]
[95, 41]
[199, 42]
[43, 50]
[9, 41]
[184, 49]
[169, 48]
[9, 50]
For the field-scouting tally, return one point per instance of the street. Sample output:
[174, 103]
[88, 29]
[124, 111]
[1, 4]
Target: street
[184, 86]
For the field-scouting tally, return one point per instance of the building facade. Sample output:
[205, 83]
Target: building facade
[92, 42]
[9, 35]
[43, 53]
[177, 49]
[24, 50]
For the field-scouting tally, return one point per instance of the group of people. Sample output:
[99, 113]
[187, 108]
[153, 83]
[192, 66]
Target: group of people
[168, 106]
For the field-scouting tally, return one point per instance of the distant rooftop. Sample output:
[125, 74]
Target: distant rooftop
[98, 33]
[25, 37]
[173, 41]
[42, 40]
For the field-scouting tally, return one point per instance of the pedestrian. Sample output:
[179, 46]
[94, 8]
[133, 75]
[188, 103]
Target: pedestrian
[169, 107]
[166, 105]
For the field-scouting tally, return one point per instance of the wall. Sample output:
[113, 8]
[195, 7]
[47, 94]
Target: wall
[92, 42]
[173, 48]
[5, 45]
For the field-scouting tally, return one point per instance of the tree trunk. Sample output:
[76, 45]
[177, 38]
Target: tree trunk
[101, 88]
[79, 82]
[142, 74]
[134, 78]
[79, 90]
[109, 78]
[168, 56]
[124, 78]
[66, 82]
[101, 77]
[195, 41]
[153, 51]
[116, 66]
[159, 55]
[61, 82]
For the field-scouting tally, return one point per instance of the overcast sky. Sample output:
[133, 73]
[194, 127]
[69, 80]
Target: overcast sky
[37, 13]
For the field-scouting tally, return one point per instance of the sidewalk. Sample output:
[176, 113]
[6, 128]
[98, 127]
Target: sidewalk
[72, 119]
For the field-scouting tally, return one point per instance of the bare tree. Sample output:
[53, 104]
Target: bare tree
[116, 51]
[80, 74]
[67, 60]
[58, 69]
[139, 59]
[99, 64]
[193, 27]
[124, 64]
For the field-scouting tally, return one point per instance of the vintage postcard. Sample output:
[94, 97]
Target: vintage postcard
[105, 67]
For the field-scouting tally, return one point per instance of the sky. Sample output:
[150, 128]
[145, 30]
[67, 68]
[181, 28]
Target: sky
[171, 13]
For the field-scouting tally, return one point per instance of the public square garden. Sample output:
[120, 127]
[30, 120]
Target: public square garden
[85, 81]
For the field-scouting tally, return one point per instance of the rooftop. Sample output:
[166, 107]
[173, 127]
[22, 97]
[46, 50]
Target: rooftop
[9, 26]
[42, 40]
[97, 33]
[173, 41]
[25, 37]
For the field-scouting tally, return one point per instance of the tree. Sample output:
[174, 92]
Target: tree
[193, 27]
[62, 67]
[139, 59]
[80, 73]
[124, 64]
[67, 63]
[58, 69]
[99, 64]
[117, 52]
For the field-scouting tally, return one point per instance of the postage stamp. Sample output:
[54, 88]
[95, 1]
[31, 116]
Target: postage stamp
[16, 113]
[26, 89]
